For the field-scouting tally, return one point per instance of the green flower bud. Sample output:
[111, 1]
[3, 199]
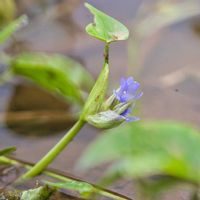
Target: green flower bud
[105, 119]
[122, 107]
[109, 103]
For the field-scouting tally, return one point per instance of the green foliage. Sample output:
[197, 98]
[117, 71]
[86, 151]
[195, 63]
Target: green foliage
[105, 27]
[41, 193]
[7, 150]
[6, 32]
[147, 148]
[97, 94]
[85, 190]
[56, 73]
[82, 187]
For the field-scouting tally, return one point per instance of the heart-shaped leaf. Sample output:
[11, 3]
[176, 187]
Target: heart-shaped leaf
[105, 27]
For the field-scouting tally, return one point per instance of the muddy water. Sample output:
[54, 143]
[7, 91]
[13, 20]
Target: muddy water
[169, 72]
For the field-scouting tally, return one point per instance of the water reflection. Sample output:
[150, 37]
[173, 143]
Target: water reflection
[173, 63]
[32, 110]
[51, 28]
[165, 54]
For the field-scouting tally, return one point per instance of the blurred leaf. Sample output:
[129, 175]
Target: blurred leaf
[7, 150]
[56, 73]
[105, 27]
[148, 148]
[6, 32]
[81, 187]
[153, 17]
[7, 11]
[97, 93]
[85, 190]
[41, 193]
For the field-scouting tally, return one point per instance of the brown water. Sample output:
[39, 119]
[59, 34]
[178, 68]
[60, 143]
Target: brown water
[168, 70]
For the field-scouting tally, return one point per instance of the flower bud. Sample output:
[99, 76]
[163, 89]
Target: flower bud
[106, 119]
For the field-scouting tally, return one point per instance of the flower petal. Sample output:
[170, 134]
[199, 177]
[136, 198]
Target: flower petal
[128, 90]
[126, 112]
[139, 95]
[132, 89]
[132, 119]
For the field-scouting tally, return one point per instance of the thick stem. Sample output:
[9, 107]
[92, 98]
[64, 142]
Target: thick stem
[53, 153]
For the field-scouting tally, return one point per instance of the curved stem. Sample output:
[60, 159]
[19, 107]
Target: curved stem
[53, 153]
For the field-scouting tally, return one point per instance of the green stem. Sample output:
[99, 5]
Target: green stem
[106, 53]
[53, 153]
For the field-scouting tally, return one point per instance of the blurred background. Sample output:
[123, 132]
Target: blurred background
[163, 53]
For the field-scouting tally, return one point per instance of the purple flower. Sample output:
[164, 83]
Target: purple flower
[128, 90]
[118, 107]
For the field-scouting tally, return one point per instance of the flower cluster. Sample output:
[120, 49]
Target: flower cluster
[119, 105]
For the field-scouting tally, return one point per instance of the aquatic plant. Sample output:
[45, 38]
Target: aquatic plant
[155, 154]
[94, 111]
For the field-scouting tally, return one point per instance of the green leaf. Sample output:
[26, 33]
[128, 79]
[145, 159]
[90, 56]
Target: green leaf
[41, 193]
[81, 187]
[97, 94]
[105, 27]
[12, 27]
[168, 148]
[7, 150]
[58, 74]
